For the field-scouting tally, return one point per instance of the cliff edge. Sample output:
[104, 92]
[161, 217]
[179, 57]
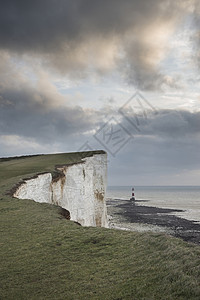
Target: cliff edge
[78, 187]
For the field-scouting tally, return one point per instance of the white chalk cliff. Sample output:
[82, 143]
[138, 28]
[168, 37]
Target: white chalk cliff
[80, 189]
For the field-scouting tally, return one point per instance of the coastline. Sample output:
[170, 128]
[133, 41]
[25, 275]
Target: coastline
[131, 215]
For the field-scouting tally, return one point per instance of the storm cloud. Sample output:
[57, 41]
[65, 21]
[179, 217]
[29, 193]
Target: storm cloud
[29, 113]
[73, 36]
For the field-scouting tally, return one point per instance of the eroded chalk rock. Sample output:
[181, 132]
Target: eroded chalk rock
[80, 189]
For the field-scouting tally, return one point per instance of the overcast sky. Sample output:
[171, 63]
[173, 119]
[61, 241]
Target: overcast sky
[119, 75]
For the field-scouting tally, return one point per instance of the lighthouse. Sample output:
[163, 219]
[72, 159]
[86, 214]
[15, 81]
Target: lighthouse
[133, 195]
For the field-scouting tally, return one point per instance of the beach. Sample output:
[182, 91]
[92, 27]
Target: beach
[176, 217]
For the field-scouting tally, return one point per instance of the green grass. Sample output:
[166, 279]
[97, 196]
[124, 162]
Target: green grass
[44, 256]
[29, 165]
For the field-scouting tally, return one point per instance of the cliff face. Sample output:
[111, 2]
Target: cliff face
[80, 189]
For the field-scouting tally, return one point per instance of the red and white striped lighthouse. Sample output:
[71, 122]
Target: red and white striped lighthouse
[133, 195]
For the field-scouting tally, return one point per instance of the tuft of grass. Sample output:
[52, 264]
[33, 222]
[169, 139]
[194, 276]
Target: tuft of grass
[45, 256]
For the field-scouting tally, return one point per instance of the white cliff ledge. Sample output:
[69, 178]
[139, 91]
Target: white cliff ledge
[80, 189]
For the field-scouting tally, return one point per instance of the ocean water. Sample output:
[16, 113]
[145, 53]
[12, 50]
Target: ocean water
[186, 198]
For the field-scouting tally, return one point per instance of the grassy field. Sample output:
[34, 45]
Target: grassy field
[44, 256]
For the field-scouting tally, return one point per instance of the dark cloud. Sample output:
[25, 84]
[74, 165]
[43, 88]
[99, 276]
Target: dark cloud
[167, 124]
[151, 161]
[21, 114]
[72, 35]
[165, 151]
[38, 25]
[37, 110]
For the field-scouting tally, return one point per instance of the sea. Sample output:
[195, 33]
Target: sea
[184, 198]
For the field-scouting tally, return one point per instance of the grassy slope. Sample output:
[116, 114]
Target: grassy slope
[44, 256]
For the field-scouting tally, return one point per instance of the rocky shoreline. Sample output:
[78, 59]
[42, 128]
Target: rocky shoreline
[131, 215]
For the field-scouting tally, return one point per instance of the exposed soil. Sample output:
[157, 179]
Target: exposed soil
[133, 212]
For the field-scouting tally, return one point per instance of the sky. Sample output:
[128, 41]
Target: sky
[118, 75]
